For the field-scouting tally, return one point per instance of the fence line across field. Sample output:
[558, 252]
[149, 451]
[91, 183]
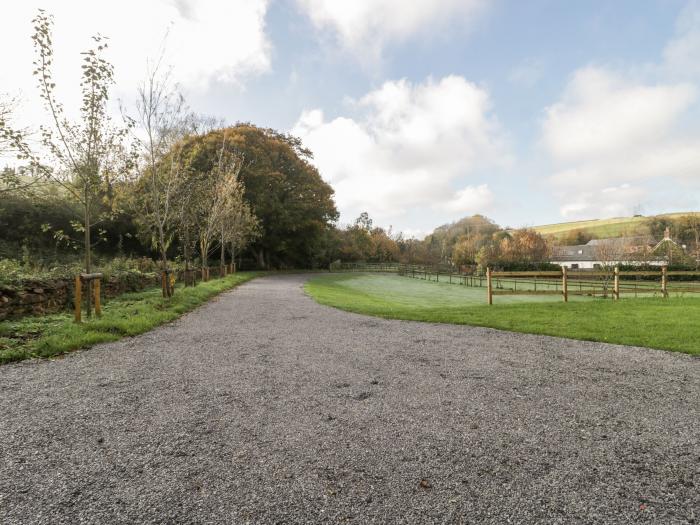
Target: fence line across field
[619, 280]
[594, 283]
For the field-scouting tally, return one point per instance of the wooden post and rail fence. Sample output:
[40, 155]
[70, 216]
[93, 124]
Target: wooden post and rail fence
[558, 283]
[92, 282]
[563, 282]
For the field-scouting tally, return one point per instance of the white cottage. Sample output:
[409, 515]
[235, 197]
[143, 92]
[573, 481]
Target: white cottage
[599, 253]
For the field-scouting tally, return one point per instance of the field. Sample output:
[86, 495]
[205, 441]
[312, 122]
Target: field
[603, 228]
[668, 324]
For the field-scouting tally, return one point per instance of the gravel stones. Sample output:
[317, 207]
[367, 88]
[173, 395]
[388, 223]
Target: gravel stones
[265, 407]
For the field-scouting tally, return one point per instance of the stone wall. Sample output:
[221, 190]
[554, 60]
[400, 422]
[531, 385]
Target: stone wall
[45, 297]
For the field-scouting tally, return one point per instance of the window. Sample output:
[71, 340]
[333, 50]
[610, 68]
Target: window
[574, 266]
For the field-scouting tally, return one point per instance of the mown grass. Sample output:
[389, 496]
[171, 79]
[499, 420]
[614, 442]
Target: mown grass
[127, 315]
[667, 324]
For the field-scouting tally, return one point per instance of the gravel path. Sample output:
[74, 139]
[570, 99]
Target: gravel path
[264, 407]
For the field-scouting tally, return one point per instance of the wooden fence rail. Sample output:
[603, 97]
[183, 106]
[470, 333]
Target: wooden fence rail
[613, 283]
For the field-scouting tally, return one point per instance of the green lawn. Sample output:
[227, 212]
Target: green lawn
[127, 315]
[668, 324]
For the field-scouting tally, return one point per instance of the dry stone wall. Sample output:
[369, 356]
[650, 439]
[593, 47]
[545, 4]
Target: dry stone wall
[45, 297]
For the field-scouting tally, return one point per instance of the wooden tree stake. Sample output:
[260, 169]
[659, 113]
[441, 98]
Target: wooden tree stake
[489, 285]
[98, 306]
[564, 284]
[78, 298]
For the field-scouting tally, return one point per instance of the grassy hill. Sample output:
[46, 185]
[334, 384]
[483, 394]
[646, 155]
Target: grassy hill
[603, 228]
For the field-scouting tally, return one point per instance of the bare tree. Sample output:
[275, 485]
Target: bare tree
[158, 126]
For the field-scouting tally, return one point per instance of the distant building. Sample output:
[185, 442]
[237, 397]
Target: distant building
[600, 253]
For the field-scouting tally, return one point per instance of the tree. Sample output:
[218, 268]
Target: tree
[214, 197]
[691, 225]
[85, 153]
[611, 252]
[237, 222]
[159, 126]
[239, 225]
[384, 246]
[530, 246]
[293, 204]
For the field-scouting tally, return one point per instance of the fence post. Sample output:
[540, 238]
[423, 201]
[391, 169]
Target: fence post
[98, 306]
[489, 286]
[616, 284]
[664, 289]
[564, 284]
[78, 298]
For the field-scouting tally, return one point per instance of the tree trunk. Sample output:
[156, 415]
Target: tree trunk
[223, 251]
[260, 256]
[204, 253]
[88, 258]
[167, 289]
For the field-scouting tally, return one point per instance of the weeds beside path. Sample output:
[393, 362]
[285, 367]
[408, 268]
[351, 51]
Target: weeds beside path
[127, 315]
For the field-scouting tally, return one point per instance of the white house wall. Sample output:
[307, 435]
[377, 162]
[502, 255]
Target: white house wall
[590, 265]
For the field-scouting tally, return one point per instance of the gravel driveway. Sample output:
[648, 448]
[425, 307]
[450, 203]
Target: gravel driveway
[265, 407]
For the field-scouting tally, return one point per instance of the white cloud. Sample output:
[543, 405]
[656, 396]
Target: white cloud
[611, 136]
[601, 113]
[409, 147]
[208, 40]
[470, 200]
[364, 27]
[614, 201]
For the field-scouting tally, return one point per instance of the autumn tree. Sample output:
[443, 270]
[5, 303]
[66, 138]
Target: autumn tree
[293, 204]
[239, 225]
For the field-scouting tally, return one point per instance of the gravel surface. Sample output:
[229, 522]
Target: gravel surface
[265, 407]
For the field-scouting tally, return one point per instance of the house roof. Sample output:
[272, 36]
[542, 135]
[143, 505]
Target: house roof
[578, 252]
[591, 250]
[639, 240]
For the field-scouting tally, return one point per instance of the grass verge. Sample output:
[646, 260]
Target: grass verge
[666, 324]
[127, 315]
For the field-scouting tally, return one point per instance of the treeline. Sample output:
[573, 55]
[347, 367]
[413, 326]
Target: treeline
[163, 182]
[472, 241]
[249, 191]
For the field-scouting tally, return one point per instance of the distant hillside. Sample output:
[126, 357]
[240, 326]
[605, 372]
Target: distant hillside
[602, 228]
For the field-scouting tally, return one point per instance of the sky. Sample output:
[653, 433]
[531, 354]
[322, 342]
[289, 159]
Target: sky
[427, 111]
